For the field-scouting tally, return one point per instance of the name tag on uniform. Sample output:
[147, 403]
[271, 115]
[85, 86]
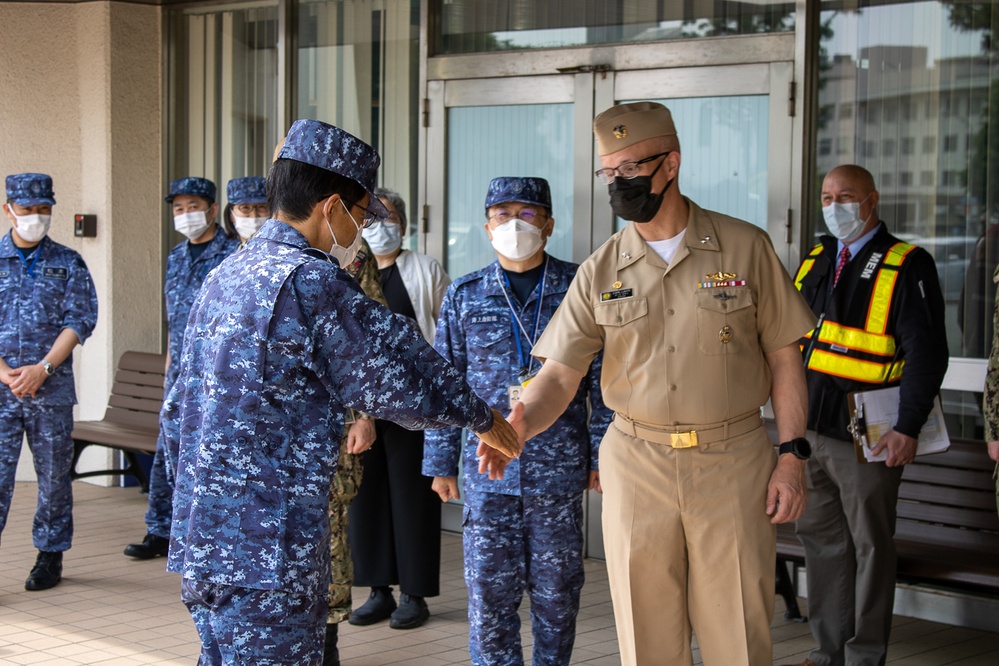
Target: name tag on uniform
[53, 273]
[616, 294]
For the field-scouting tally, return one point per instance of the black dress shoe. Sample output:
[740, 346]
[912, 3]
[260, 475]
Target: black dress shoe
[411, 613]
[46, 573]
[151, 546]
[378, 607]
[331, 654]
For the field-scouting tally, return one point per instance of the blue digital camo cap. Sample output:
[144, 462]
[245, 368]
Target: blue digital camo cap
[30, 189]
[328, 147]
[507, 189]
[249, 190]
[198, 187]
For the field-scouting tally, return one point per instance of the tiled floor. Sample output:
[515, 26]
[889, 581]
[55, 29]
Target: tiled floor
[112, 610]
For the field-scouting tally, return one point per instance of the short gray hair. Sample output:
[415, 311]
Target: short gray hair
[395, 200]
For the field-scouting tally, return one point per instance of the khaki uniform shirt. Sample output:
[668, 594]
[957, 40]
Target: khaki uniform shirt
[683, 343]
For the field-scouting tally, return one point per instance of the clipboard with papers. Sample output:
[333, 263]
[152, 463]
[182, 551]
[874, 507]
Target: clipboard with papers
[873, 413]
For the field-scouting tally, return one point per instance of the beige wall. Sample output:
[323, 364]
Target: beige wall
[81, 100]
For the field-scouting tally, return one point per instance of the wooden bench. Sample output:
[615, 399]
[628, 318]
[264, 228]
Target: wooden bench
[947, 532]
[131, 421]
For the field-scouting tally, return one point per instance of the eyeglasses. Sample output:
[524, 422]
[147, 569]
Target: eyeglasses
[526, 215]
[627, 170]
[367, 219]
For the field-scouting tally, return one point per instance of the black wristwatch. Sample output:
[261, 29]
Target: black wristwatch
[799, 446]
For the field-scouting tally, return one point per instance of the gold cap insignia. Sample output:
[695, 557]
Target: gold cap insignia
[720, 276]
[618, 284]
[620, 132]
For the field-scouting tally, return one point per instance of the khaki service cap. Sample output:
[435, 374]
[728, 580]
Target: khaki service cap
[626, 124]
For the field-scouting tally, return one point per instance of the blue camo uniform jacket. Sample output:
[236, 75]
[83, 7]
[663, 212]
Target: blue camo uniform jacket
[475, 333]
[183, 280]
[282, 342]
[36, 307]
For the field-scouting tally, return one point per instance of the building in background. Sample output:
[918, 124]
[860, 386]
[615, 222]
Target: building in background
[768, 96]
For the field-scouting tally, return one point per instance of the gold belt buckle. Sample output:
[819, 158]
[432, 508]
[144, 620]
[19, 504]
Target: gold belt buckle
[683, 440]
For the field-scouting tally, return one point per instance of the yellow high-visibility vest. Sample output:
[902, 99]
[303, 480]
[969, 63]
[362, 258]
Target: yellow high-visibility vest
[860, 350]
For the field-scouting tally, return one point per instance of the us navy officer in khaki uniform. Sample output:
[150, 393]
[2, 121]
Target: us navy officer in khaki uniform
[699, 324]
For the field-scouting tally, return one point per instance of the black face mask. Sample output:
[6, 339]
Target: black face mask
[633, 199]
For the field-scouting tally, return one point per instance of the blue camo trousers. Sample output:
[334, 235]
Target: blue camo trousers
[514, 542]
[240, 626]
[49, 430]
[159, 511]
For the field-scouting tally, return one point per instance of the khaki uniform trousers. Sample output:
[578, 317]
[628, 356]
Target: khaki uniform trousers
[689, 546]
[346, 481]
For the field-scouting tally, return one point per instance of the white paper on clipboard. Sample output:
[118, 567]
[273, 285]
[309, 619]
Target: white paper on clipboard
[873, 413]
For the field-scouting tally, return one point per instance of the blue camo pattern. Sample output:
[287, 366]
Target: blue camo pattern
[281, 342]
[192, 185]
[475, 334]
[30, 189]
[49, 429]
[243, 626]
[513, 544]
[35, 307]
[506, 189]
[249, 190]
[184, 278]
[331, 148]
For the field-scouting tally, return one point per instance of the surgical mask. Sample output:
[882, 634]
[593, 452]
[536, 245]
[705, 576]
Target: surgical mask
[32, 228]
[843, 220]
[247, 226]
[192, 225]
[384, 237]
[517, 240]
[632, 198]
[344, 255]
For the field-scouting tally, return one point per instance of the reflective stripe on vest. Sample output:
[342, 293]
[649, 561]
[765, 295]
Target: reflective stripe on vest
[861, 354]
[806, 266]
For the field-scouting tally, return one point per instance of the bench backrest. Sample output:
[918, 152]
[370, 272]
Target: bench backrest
[949, 500]
[137, 393]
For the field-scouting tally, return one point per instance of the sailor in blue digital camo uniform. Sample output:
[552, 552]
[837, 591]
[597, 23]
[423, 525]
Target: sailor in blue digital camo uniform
[47, 306]
[195, 213]
[526, 530]
[281, 341]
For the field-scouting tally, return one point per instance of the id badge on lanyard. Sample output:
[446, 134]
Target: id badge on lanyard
[526, 362]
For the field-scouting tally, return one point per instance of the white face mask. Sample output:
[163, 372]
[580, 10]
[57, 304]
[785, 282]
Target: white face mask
[247, 226]
[844, 220]
[192, 225]
[384, 237]
[517, 240]
[344, 255]
[31, 228]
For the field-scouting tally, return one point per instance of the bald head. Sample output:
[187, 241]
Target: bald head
[850, 183]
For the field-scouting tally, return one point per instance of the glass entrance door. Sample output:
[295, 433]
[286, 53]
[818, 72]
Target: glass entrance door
[735, 136]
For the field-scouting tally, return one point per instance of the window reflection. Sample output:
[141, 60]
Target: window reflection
[908, 91]
[502, 25]
[924, 90]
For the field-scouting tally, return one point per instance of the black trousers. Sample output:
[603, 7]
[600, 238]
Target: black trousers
[395, 521]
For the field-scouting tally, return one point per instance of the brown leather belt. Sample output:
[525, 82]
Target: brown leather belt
[689, 436]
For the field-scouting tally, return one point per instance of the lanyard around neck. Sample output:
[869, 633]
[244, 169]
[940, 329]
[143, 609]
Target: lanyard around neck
[518, 326]
[34, 257]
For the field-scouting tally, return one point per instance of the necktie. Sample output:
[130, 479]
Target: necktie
[844, 257]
